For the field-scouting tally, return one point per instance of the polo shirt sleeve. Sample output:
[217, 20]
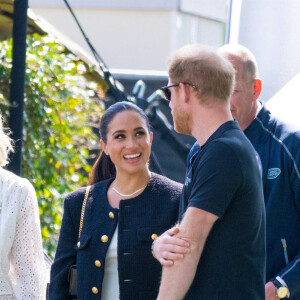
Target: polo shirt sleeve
[216, 179]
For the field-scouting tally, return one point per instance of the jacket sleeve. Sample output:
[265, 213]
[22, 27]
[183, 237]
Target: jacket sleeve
[291, 273]
[65, 255]
[27, 258]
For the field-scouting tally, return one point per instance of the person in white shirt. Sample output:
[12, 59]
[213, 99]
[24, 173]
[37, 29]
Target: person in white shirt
[22, 266]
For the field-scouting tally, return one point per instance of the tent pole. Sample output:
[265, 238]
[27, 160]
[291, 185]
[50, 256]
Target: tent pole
[17, 86]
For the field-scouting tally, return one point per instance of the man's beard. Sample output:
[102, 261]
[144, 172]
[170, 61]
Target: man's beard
[181, 122]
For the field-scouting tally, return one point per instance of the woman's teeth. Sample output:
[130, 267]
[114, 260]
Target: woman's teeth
[132, 156]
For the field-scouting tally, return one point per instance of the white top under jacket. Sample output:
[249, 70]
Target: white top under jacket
[110, 286]
[22, 266]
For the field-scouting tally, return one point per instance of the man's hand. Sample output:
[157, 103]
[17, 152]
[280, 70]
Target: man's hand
[168, 248]
[271, 291]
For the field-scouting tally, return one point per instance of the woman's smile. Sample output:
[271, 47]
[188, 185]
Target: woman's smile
[132, 157]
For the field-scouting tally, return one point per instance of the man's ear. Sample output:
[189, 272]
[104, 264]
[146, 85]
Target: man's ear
[256, 88]
[187, 91]
[103, 147]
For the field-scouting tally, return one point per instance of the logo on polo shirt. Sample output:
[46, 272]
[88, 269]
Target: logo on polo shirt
[273, 173]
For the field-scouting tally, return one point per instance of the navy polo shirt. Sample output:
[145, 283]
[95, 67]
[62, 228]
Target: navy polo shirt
[224, 179]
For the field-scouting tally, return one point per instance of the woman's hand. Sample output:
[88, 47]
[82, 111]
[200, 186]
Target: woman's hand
[167, 247]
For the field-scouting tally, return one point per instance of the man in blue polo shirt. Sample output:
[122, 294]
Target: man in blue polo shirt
[222, 209]
[278, 145]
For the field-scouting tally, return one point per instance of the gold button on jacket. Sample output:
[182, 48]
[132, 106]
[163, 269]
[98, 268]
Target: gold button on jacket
[111, 215]
[78, 244]
[98, 263]
[95, 290]
[153, 236]
[104, 238]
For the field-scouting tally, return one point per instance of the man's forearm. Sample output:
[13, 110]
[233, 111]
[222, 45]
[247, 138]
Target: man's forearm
[177, 279]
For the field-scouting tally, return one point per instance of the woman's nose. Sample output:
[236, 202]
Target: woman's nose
[131, 142]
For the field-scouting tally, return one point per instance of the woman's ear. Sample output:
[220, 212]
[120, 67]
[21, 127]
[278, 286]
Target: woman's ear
[103, 147]
[151, 137]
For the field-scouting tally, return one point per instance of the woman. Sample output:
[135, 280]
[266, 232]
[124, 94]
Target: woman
[22, 267]
[127, 208]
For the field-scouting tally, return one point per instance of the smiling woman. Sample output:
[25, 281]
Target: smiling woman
[114, 128]
[127, 208]
[128, 144]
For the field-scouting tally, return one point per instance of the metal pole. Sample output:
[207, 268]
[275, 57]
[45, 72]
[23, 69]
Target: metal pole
[17, 85]
[228, 24]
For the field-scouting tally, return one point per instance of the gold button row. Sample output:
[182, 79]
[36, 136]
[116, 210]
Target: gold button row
[104, 239]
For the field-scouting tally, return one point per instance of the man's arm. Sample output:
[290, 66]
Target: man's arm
[177, 279]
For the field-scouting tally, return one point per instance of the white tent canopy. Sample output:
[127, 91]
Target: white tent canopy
[285, 104]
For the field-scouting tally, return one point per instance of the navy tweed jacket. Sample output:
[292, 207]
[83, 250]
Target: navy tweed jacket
[152, 212]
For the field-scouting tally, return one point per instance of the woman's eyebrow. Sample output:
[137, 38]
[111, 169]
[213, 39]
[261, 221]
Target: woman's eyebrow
[118, 131]
[139, 128]
[123, 131]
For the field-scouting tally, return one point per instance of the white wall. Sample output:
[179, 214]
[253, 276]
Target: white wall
[141, 34]
[209, 9]
[271, 30]
[199, 30]
[127, 4]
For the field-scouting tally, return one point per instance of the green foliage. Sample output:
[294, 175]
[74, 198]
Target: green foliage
[60, 104]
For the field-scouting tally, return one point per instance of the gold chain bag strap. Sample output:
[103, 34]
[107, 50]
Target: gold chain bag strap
[73, 269]
[83, 209]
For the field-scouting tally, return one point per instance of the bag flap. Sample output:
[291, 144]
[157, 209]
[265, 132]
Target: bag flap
[83, 241]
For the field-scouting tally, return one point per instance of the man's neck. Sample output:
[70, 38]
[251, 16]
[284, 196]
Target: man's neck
[207, 120]
[254, 112]
[259, 107]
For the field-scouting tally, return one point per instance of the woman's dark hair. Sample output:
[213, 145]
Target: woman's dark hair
[103, 167]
